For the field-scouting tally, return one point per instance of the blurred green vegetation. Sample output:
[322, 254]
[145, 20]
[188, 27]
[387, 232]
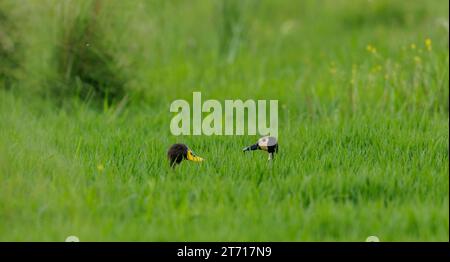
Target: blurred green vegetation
[85, 59]
[9, 46]
[363, 92]
[99, 50]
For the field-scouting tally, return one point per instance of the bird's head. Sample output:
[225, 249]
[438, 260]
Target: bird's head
[180, 152]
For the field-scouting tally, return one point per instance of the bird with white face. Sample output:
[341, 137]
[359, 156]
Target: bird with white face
[267, 143]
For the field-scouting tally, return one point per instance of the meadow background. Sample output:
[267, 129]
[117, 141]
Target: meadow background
[85, 90]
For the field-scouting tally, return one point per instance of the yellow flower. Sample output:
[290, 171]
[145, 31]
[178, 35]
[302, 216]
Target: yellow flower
[428, 44]
[100, 167]
[376, 69]
[417, 59]
[371, 49]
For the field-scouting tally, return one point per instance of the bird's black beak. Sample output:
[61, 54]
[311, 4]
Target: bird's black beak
[251, 148]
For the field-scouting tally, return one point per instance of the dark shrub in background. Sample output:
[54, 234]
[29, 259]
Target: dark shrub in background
[9, 47]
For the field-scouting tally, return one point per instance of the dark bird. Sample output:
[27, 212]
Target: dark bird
[267, 143]
[180, 152]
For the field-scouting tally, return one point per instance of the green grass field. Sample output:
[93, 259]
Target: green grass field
[85, 90]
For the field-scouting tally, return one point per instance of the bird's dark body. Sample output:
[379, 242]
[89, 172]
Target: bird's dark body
[271, 145]
[177, 153]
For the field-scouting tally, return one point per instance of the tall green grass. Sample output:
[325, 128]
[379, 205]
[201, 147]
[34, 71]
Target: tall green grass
[363, 124]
